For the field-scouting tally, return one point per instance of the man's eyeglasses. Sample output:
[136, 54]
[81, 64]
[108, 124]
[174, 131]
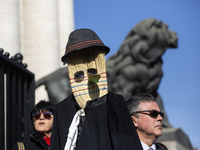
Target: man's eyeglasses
[37, 115]
[152, 113]
[80, 74]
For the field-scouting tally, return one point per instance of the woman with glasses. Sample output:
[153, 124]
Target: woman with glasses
[42, 118]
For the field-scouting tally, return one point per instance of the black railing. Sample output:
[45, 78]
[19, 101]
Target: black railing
[17, 98]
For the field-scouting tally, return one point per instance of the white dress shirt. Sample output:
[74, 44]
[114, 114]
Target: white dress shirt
[146, 147]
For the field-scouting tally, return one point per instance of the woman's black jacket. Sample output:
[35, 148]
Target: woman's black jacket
[33, 142]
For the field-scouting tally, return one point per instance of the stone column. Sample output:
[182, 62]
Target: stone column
[47, 24]
[65, 23]
[9, 26]
[41, 36]
[41, 40]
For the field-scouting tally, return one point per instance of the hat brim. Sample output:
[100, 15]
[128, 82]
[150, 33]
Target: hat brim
[65, 59]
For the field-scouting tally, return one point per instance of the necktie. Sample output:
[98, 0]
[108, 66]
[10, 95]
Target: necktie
[73, 131]
[150, 148]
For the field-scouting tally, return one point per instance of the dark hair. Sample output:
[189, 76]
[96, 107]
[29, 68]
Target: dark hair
[42, 106]
[134, 101]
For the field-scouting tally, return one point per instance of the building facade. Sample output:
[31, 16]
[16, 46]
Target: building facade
[39, 31]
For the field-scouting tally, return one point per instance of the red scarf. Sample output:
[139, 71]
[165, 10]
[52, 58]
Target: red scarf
[48, 140]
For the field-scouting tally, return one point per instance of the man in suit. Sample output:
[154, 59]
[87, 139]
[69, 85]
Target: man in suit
[147, 118]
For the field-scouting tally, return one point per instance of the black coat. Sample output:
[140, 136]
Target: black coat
[107, 126]
[33, 142]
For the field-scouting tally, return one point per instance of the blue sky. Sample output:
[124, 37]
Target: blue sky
[179, 88]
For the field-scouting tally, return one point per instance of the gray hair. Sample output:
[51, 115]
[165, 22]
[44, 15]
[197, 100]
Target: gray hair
[134, 101]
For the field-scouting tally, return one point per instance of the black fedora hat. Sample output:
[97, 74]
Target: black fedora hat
[81, 39]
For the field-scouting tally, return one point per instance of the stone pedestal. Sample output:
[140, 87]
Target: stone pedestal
[175, 139]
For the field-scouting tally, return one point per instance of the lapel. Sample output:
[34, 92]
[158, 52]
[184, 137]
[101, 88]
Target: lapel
[160, 146]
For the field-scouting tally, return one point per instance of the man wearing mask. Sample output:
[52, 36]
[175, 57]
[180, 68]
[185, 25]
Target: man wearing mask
[92, 117]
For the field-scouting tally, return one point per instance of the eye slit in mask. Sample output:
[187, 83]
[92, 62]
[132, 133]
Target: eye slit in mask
[79, 74]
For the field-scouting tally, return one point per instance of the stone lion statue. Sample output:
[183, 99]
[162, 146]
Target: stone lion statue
[135, 68]
[137, 65]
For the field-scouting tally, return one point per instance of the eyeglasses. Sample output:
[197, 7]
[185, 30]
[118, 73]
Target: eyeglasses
[37, 115]
[80, 74]
[153, 113]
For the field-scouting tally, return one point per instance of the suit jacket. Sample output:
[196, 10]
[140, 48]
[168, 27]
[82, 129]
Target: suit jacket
[160, 146]
[107, 126]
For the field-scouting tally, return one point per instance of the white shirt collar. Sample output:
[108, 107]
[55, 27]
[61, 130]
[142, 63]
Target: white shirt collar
[146, 147]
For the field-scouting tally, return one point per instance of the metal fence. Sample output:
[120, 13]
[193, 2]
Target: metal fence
[17, 98]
